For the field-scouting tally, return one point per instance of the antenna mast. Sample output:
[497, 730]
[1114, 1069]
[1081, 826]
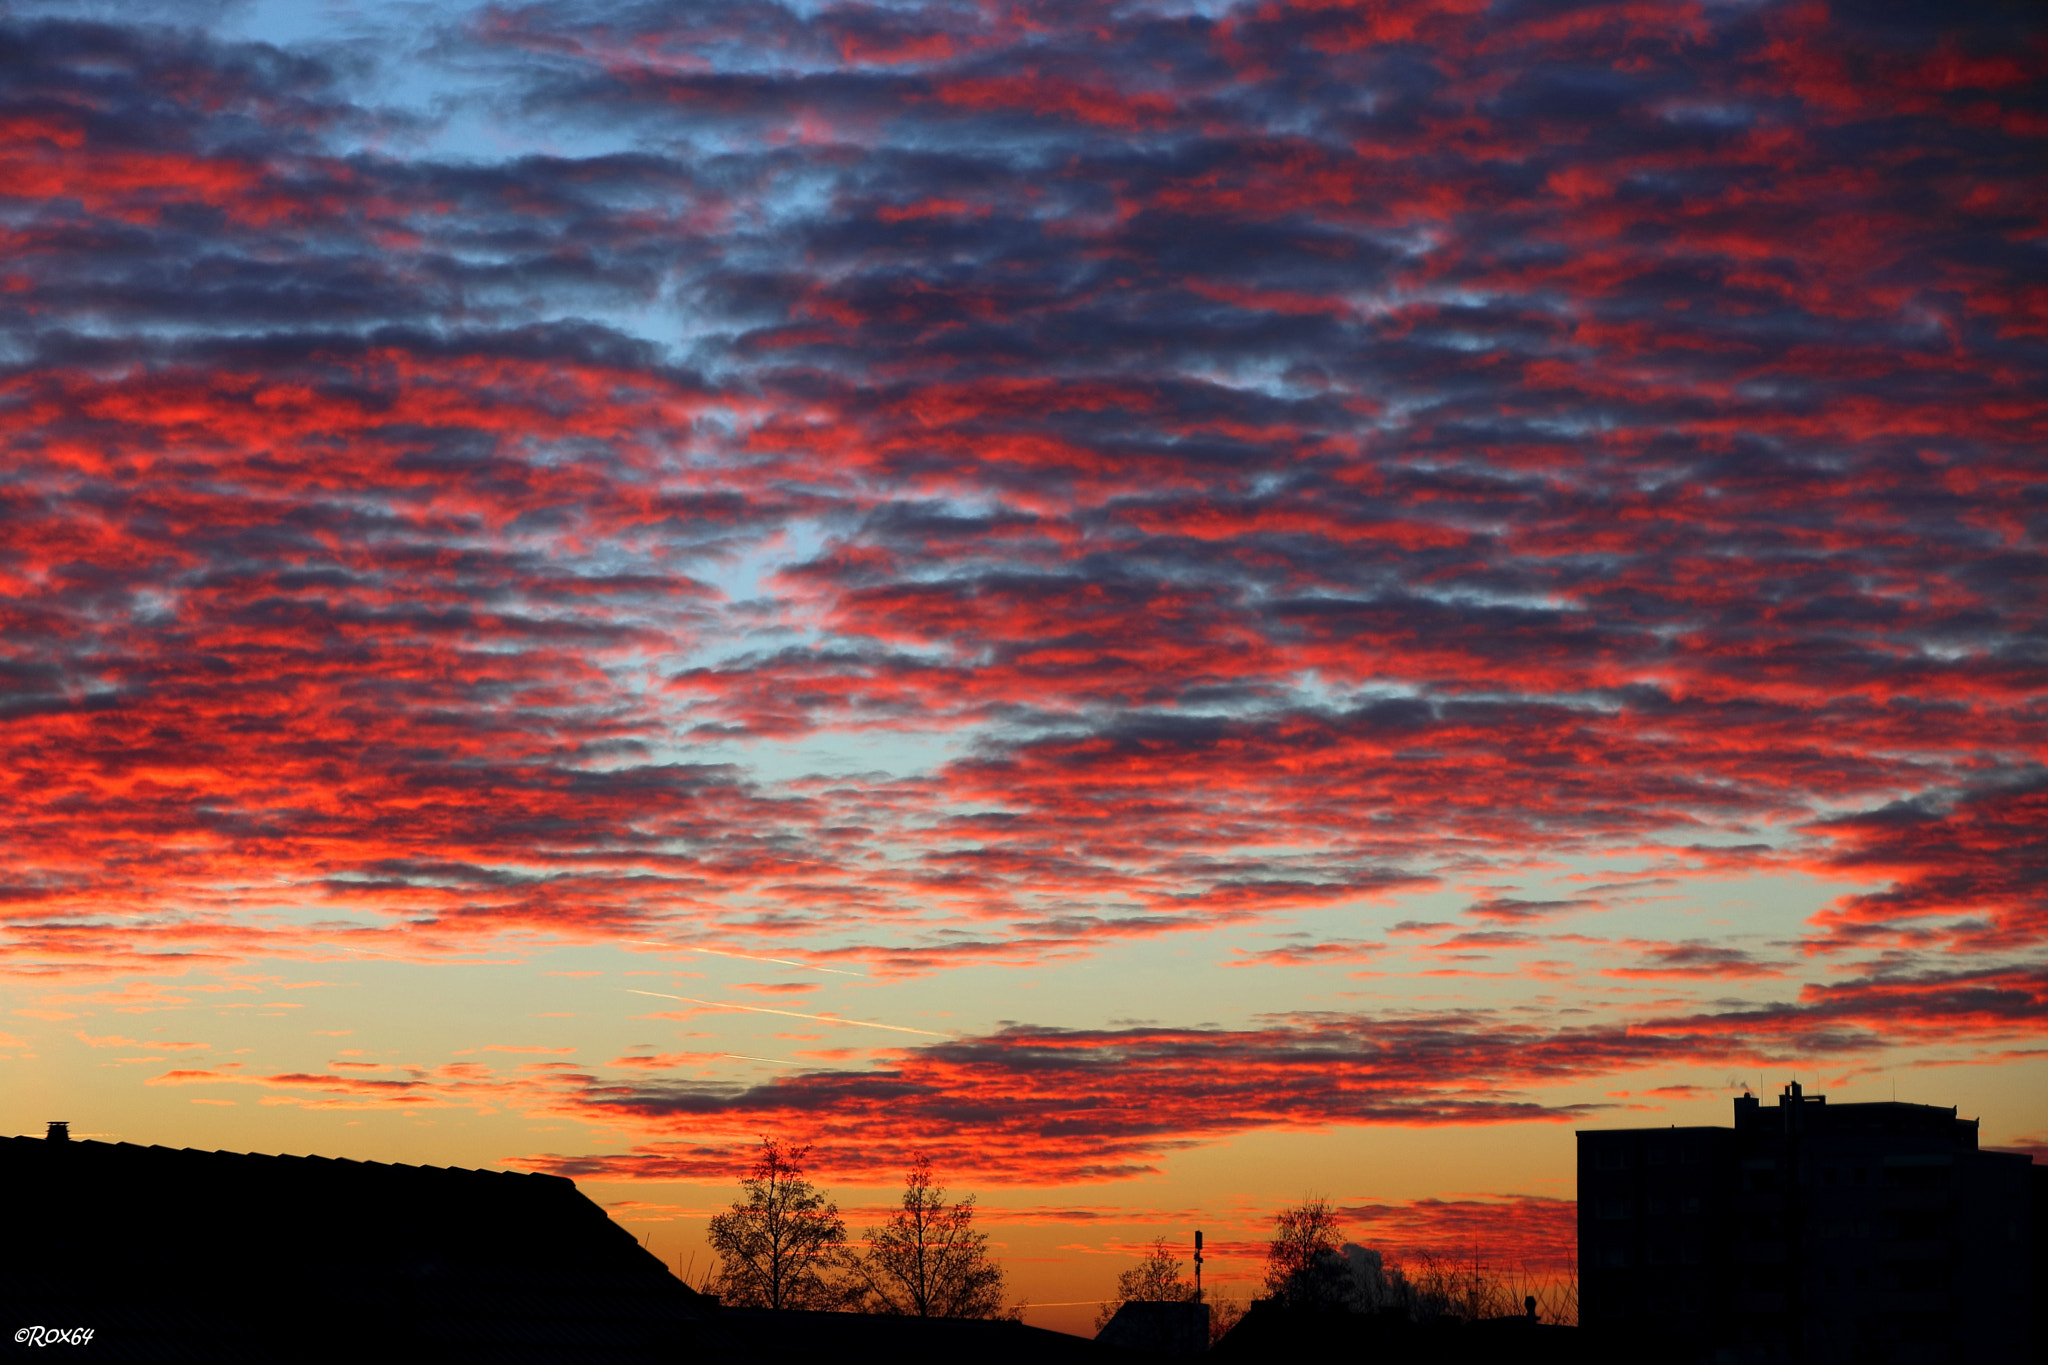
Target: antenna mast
[1198, 1267]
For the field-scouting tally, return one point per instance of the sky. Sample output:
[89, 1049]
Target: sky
[1177, 604]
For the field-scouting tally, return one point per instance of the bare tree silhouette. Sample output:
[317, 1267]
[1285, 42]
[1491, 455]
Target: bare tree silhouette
[928, 1261]
[781, 1245]
[1306, 1268]
[1303, 1265]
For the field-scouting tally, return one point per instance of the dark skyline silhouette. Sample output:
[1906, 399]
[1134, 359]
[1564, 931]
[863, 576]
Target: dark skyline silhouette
[1810, 1231]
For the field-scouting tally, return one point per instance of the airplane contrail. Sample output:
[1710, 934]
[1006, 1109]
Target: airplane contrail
[792, 1014]
[746, 957]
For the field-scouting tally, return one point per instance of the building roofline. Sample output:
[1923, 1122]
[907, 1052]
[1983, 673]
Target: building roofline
[81, 1146]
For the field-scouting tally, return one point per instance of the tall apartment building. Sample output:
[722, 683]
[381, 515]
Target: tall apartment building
[1809, 1232]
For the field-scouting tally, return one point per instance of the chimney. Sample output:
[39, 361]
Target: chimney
[60, 1131]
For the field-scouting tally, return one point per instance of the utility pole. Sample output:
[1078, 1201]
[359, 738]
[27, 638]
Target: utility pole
[1198, 1266]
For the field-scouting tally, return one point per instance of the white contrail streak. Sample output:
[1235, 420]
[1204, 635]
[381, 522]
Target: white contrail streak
[745, 957]
[790, 1014]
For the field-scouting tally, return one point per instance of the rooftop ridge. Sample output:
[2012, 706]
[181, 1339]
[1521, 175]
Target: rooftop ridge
[77, 1144]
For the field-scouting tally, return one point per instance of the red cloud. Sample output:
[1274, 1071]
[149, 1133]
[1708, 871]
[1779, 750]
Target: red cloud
[1527, 1234]
[1050, 96]
[1307, 954]
[1032, 1106]
[1696, 961]
[1979, 855]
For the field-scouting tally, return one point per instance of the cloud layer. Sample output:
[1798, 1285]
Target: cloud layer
[1051, 1106]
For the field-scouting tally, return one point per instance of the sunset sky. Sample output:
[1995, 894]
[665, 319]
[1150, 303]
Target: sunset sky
[1177, 604]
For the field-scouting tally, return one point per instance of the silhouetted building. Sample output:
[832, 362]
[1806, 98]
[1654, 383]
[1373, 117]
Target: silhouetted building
[1808, 1232]
[180, 1255]
[2040, 1174]
[1163, 1328]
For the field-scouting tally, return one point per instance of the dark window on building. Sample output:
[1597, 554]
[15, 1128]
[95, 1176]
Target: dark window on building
[1923, 1227]
[1922, 1326]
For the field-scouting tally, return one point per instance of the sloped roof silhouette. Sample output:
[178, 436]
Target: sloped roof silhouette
[176, 1254]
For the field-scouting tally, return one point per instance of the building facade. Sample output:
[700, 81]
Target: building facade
[1809, 1232]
